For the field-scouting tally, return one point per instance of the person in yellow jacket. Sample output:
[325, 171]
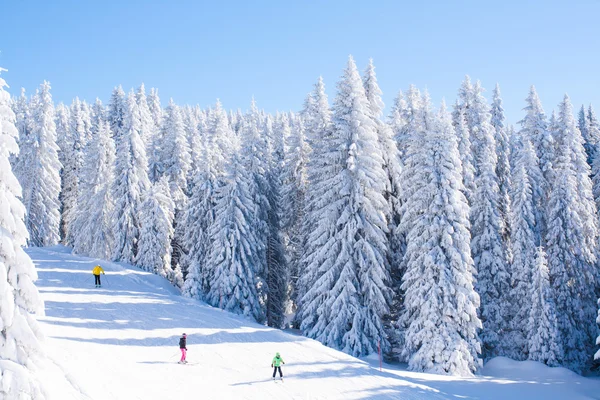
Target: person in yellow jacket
[97, 271]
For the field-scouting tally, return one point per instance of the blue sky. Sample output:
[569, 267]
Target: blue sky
[196, 51]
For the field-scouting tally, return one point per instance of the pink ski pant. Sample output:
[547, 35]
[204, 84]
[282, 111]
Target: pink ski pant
[182, 354]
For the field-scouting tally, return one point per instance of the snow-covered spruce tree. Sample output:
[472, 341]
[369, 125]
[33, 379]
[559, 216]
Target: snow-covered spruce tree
[62, 118]
[95, 204]
[73, 161]
[99, 113]
[392, 167]
[233, 255]
[130, 184]
[397, 121]
[503, 166]
[317, 122]
[176, 154]
[277, 276]
[177, 162]
[86, 120]
[350, 295]
[42, 206]
[535, 127]
[461, 129]
[20, 339]
[493, 278]
[117, 109]
[190, 126]
[524, 240]
[543, 340]
[588, 142]
[256, 153]
[156, 230]
[20, 107]
[571, 243]
[295, 187]
[593, 127]
[440, 304]
[199, 213]
[148, 125]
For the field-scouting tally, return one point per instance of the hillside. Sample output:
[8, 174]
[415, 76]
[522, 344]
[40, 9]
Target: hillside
[120, 342]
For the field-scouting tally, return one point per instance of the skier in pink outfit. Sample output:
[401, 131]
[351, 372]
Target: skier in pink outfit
[183, 348]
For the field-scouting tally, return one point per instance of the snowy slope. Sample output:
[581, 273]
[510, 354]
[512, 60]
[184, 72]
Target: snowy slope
[121, 342]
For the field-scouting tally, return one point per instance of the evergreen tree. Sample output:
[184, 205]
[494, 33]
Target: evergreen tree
[350, 295]
[571, 240]
[117, 109]
[95, 204]
[130, 184]
[147, 121]
[440, 306]
[73, 155]
[40, 155]
[176, 154]
[156, 230]
[200, 211]
[317, 121]
[535, 127]
[544, 344]
[589, 142]
[397, 121]
[392, 167]
[524, 239]
[234, 251]
[20, 346]
[459, 121]
[277, 276]
[503, 166]
[487, 247]
[20, 107]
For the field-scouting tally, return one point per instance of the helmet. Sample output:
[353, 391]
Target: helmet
[276, 354]
[184, 335]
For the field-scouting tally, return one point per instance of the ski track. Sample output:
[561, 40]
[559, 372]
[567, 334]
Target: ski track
[121, 342]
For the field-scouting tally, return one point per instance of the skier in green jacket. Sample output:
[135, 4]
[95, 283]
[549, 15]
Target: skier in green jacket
[276, 363]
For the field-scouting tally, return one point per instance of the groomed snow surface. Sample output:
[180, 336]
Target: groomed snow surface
[121, 342]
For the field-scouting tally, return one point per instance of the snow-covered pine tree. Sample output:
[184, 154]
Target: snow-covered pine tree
[117, 109]
[256, 153]
[459, 121]
[63, 116]
[543, 339]
[98, 114]
[148, 124]
[130, 184]
[350, 295]
[277, 276]
[316, 117]
[503, 166]
[233, 255]
[156, 230]
[397, 121]
[86, 120]
[589, 142]
[95, 204]
[20, 107]
[572, 242]
[392, 167]
[295, 186]
[20, 339]
[73, 161]
[535, 127]
[524, 240]
[199, 213]
[493, 278]
[42, 206]
[176, 154]
[440, 304]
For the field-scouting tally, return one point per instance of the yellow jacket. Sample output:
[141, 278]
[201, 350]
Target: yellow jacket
[97, 270]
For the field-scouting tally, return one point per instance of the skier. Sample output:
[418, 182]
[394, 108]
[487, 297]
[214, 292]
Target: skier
[96, 271]
[183, 348]
[276, 363]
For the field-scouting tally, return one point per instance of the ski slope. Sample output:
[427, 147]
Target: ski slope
[121, 342]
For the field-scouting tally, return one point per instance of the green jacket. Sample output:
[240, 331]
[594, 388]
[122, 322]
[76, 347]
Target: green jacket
[277, 361]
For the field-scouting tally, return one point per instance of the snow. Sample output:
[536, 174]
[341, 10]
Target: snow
[121, 342]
